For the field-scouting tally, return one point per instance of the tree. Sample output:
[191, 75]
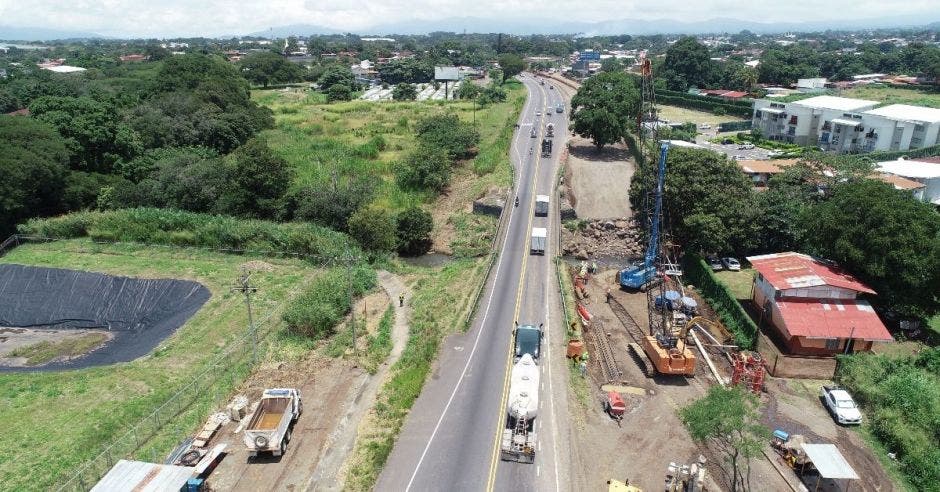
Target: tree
[883, 236]
[688, 64]
[374, 229]
[338, 92]
[604, 107]
[511, 65]
[709, 205]
[332, 205]
[446, 131]
[34, 164]
[468, 90]
[425, 168]
[410, 70]
[404, 92]
[8, 101]
[739, 77]
[266, 67]
[492, 93]
[414, 231]
[258, 180]
[728, 420]
[611, 65]
[338, 75]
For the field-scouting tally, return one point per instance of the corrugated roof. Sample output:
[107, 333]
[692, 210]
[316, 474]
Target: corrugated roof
[829, 461]
[141, 476]
[795, 270]
[844, 121]
[815, 318]
[906, 112]
[899, 182]
[765, 166]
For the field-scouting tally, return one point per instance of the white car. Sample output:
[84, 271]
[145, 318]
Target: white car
[745, 146]
[715, 263]
[731, 264]
[705, 126]
[840, 405]
[538, 113]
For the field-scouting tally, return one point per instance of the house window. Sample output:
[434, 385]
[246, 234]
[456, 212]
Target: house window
[793, 120]
[832, 344]
[757, 113]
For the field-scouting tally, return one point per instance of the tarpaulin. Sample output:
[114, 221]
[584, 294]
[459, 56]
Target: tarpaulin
[139, 313]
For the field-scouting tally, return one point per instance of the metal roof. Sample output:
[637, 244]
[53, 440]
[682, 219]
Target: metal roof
[829, 461]
[771, 110]
[794, 270]
[141, 476]
[910, 169]
[906, 112]
[844, 121]
[831, 318]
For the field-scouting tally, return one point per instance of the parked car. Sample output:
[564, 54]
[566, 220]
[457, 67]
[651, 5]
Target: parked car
[727, 141]
[841, 405]
[715, 263]
[745, 146]
[731, 263]
[705, 126]
[775, 153]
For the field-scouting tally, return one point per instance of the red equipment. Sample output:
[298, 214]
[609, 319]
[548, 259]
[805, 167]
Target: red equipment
[615, 405]
[749, 371]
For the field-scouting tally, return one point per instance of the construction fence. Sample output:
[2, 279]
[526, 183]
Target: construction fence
[732, 314]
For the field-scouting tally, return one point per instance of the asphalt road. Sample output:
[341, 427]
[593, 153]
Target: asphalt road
[450, 439]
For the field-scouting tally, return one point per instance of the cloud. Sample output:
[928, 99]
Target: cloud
[165, 18]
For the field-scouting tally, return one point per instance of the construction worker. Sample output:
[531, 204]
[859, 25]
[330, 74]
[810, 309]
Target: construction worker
[583, 367]
[608, 295]
[593, 267]
[401, 299]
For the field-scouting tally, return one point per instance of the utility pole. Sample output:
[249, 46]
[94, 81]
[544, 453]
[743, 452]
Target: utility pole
[243, 285]
[349, 289]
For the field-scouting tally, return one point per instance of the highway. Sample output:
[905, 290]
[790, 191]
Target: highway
[450, 440]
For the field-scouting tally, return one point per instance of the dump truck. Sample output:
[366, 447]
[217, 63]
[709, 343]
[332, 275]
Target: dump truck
[546, 147]
[541, 205]
[539, 238]
[549, 128]
[269, 428]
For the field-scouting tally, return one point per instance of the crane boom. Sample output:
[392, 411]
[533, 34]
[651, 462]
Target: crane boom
[638, 276]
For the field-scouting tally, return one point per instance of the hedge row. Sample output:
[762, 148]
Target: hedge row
[719, 297]
[743, 103]
[705, 103]
[172, 227]
[735, 126]
[897, 154]
[316, 312]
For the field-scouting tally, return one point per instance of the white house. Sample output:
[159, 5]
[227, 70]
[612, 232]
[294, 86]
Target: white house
[902, 127]
[810, 122]
[927, 173]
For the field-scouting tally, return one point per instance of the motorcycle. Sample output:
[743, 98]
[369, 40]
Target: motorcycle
[517, 201]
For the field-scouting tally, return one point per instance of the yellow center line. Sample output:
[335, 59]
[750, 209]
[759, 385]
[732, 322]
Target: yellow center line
[501, 421]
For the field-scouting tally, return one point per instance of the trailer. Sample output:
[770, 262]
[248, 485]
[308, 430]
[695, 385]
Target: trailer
[519, 437]
[269, 428]
[539, 238]
[546, 147]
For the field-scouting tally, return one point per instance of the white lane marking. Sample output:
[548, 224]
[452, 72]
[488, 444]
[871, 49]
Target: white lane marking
[476, 342]
[538, 470]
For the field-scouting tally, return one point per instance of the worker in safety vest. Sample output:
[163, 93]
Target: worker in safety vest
[401, 299]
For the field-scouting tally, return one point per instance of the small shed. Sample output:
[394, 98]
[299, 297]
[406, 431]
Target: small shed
[141, 476]
[830, 463]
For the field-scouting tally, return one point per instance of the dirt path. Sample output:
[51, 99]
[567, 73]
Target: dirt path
[329, 473]
[600, 180]
[337, 394]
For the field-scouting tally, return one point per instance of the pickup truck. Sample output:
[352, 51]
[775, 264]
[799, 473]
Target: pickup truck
[269, 428]
[840, 405]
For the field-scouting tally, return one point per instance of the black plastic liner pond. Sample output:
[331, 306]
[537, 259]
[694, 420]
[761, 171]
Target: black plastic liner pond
[139, 313]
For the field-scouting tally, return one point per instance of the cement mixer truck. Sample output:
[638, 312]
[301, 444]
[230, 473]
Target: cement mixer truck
[518, 441]
[550, 130]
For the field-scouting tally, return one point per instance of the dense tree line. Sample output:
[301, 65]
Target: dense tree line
[784, 65]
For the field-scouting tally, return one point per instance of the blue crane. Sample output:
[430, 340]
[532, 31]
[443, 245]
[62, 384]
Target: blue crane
[639, 275]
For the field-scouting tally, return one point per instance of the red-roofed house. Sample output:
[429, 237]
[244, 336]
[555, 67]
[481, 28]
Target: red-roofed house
[813, 306]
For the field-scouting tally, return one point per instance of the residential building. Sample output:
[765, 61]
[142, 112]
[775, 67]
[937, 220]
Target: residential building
[815, 121]
[64, 69]
[925, 173]
[901, 183]
[812, 85]
[901, 127]
[811, 307]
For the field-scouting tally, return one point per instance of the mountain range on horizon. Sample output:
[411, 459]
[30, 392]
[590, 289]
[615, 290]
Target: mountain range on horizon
[523, 26]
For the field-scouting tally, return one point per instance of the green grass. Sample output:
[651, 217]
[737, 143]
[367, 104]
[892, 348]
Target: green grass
[323, 141]
[738, 282]
[677, 114]
[934, 324]
[886, 94]
[64, 418]
[45, 351]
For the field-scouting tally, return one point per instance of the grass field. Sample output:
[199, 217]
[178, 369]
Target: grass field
[342, 139]
[886, 94]
[739, 282]
[677, 114]
[58, 420]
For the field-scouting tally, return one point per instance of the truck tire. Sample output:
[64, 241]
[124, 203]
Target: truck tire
[283, 447]
[288, 434]
[190, 458]
[261, 442]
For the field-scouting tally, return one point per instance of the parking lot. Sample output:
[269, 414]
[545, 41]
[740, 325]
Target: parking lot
[731, 150]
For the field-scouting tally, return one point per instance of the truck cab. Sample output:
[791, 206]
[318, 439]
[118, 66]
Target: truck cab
[528, 340]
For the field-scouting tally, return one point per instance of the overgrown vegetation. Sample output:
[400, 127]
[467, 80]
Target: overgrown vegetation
[316, 311]
[45, 351]
[901, 397]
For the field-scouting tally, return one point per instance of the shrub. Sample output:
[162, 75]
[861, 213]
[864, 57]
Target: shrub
[338, 92]
[320, 307]
[414, 231]
[446, 131]
[374, 229]
[424, 168]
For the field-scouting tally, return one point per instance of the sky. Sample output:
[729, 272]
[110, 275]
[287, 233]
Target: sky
[170, 18]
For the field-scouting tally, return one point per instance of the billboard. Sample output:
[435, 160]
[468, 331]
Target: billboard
[446, 73]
